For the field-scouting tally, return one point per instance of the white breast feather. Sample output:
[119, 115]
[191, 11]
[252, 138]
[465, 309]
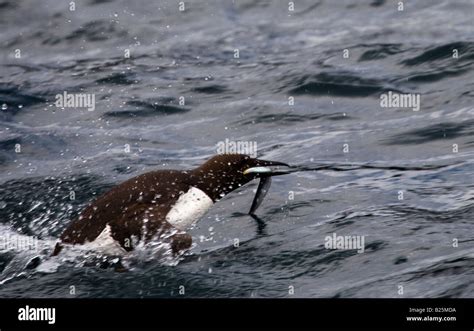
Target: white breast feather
[189, 208]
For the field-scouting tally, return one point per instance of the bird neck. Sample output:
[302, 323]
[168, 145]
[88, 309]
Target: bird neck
[215, 185]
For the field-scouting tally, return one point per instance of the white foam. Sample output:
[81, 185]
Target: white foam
[105, 244]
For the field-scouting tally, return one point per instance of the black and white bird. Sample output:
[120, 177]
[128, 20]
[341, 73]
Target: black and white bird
[163, 204]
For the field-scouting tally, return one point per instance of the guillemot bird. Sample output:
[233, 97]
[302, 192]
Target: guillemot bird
[163, 204]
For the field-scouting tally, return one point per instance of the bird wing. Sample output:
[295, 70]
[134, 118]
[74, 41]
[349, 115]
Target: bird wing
[142, 222]
[132, 209]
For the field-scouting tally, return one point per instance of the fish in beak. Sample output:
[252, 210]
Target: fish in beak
[265, 170]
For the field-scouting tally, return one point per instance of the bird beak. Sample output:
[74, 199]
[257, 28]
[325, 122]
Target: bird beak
[268, 168]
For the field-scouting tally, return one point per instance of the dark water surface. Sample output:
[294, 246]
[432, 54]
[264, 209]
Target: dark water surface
[283, 54]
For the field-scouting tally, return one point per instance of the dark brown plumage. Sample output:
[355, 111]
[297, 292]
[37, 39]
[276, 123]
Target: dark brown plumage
[150, 197]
